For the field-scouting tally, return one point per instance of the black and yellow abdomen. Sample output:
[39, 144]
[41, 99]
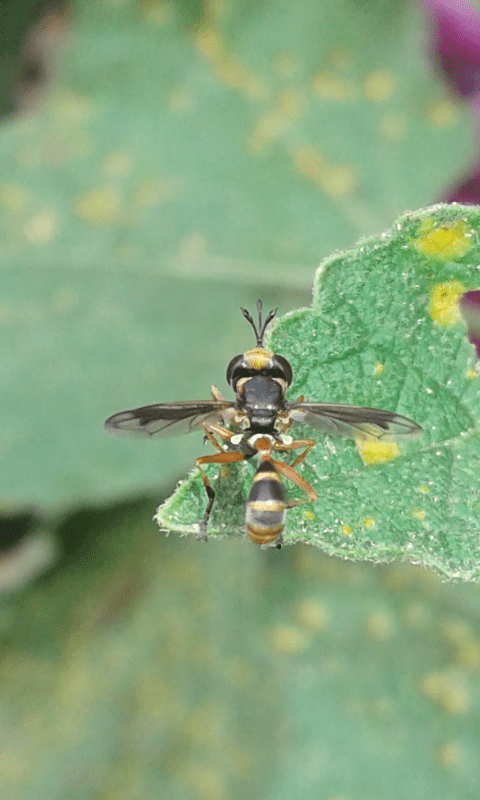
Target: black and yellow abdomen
[265, 511]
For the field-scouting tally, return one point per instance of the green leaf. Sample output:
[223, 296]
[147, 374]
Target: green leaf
[147, 667]
[384, 331]
[178, 172]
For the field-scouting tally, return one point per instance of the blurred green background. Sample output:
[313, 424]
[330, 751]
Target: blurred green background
[183, 159]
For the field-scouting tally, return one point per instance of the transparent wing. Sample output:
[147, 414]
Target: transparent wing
[355, 421]
[166, 419]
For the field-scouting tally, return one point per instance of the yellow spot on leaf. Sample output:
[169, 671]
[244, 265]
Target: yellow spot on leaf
[468, 654]
[471, 374]
[156, 11]
[327, 85]
[41, 228]
[339, 181]
[466, 647]
[335, 181]
[311, 614]
[379, 626]
[378, 368]
[442, 114]
[287, 639]
[423, 489]
[289, 103]
[446, 689]
[346, 530]
[269, 127]
[308, 515]
[373, 452]
[205, 782]
[443, 305]
[419, 514]
[379, 85]
[445, 242]
[369, 522]
[71, 106]
[98, 206]
[13, 198]
[228, 69]
[449, 755]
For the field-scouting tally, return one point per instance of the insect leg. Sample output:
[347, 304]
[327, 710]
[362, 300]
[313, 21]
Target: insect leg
[229, 413]
[295, 445]
[290, 474]
[216, 458]
[216, 393]
[211, 429]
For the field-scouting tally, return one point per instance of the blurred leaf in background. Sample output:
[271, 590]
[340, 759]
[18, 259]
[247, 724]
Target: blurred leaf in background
[192, 157]
[171, 668]
[180, 169]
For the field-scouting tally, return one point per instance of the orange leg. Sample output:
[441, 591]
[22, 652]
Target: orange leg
[289, 473]
[216, 458]
[216, 393]
[229, 413]
[210, 429]
[307, 443]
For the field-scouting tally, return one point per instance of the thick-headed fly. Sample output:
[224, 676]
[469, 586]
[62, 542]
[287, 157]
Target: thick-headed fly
[256, 423]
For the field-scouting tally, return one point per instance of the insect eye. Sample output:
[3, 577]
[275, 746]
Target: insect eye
[276, 372]
[241, 372]
[281, 369]
[232, 367]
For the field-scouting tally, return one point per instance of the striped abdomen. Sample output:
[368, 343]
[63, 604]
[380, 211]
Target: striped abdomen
[265, 511]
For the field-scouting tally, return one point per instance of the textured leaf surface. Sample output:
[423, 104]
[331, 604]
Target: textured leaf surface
[151, 668]
[192, 158]
[384, 331]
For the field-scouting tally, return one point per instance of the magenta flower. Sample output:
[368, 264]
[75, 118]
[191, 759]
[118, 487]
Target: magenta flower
[455, 48]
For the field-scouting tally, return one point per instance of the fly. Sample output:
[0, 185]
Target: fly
[255, 423]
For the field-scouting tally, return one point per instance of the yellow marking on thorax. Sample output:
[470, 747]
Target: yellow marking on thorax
[258, 358]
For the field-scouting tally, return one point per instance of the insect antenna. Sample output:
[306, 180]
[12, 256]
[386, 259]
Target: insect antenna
[260, 331]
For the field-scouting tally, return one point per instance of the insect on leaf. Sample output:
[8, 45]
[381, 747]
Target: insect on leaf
[385, 331]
